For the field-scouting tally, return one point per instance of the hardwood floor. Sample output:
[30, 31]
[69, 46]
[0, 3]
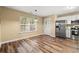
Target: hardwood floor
[40, 44]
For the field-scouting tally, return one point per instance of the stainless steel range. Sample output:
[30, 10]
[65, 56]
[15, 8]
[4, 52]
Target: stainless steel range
[75, 33]
[75, 29]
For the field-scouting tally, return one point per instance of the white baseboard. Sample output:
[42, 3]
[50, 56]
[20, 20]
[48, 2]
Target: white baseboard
[49, 35]
[16, 39]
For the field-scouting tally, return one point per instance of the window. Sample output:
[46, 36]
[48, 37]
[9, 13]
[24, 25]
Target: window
[28, 24]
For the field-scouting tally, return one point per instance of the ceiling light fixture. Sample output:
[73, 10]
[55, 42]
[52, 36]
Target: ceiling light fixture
[35, 13]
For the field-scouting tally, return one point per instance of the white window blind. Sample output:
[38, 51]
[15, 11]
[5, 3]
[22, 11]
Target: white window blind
[28, 24]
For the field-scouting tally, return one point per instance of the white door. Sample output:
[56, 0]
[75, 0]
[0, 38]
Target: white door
[47, 26]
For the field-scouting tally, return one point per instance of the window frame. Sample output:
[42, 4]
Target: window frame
[28, 24]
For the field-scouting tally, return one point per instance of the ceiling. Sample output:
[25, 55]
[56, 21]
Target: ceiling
[44, 10]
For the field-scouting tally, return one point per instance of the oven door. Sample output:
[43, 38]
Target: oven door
[75, 32]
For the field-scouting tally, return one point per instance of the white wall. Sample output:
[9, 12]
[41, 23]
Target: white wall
[10, 25]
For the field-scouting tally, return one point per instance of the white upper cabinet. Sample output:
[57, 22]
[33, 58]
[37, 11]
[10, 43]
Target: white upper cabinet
[72, 17]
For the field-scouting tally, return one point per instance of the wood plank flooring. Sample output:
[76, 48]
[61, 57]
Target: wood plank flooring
[41, 44]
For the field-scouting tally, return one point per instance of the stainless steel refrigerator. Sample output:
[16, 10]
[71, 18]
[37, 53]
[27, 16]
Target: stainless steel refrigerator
[60, 29]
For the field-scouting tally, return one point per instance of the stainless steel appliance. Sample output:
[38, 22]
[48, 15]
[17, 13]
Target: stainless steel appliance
[60, 28]
[75, 29]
